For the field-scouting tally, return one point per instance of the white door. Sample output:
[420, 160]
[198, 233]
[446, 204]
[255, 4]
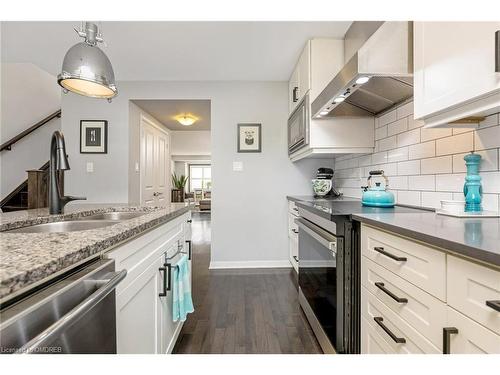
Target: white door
[155, 164]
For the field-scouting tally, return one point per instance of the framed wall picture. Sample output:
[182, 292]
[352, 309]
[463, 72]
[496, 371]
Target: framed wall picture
[249, 138]
[93, 137]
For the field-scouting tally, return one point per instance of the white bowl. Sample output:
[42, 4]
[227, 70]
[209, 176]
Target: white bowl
[454, 206]
[321, 187]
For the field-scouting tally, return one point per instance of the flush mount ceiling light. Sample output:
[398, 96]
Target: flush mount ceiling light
[186, 120]
[86, 70]
[362, 80]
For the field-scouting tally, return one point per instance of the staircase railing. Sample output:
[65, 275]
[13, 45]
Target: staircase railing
[8, 145]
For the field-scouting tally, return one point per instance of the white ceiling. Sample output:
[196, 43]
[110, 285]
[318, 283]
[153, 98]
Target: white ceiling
[165, 111]
[175, 50]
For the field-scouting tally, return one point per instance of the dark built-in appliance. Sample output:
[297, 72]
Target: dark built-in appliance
[329, 284]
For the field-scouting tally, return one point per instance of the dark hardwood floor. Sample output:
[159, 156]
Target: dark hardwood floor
[242, 311]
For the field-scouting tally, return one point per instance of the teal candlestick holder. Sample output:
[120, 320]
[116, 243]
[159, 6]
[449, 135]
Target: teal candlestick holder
[473, 190]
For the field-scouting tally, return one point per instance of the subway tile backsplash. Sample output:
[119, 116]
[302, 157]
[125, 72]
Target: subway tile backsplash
[425, 166]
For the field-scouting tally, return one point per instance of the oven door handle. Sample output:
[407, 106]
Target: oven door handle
[324, 237]
[105, 287]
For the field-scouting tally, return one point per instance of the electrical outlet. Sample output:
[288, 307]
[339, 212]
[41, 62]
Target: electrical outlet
[90, 167]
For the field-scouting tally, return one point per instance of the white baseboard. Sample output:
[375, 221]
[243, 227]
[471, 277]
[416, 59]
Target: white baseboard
[252, 264]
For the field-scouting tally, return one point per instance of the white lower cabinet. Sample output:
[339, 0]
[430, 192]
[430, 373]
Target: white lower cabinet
[398, 334]
[371, 341]
[418, 299]
[420, 309]
[138, 310]
[294, 253]
[472, 290]
[293, 235]
[143, 313]
[470, 337]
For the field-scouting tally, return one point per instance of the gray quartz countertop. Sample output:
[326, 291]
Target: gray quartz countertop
[476, 238]
[28, 258]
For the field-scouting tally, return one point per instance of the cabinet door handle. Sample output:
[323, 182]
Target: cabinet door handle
[497, 51]
[189, 249]
[495, 305]
[447, 332]
[169, 277]
[396, 339]
[390, 294]
[189, 221]
[295, 231]
[165, 286]
[381, 250]
[295, 97]
[296, 258]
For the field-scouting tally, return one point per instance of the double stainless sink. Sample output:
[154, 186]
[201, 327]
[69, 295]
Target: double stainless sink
[95, 221]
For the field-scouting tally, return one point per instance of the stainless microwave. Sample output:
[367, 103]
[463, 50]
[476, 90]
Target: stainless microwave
[298, 126]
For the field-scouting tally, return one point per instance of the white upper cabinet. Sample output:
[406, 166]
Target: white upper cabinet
[318, 63]
[454, 71]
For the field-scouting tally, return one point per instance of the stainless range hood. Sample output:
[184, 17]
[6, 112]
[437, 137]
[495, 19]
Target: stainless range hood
[377, 75]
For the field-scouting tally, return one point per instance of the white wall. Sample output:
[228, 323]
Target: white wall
[28, 95]
[425, 166]
[249, 208]
[190, 143]
[180, 168]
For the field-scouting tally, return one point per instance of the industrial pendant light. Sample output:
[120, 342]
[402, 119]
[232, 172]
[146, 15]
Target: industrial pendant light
[86, 69]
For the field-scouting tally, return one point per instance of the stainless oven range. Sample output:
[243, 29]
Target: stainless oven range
[329, 280]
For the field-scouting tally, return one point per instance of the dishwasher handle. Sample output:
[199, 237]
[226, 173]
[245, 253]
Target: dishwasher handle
[324, 237]
[76, 313]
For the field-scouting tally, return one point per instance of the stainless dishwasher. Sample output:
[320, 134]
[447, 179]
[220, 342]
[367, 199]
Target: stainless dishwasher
[73, 315]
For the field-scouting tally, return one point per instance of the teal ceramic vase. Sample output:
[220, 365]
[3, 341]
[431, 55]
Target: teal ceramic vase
[472, 187]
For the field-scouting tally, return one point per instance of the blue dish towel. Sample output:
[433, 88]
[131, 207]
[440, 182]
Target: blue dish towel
[183, 302]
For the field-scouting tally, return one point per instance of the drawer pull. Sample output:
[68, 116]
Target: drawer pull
[398, 340]
[495, 305]
[447, 332]
[295, 231]
[296, 258]
[392, 256]
[390, 294]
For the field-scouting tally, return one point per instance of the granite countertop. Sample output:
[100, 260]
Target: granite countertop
[476, 238]
[28, 258]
